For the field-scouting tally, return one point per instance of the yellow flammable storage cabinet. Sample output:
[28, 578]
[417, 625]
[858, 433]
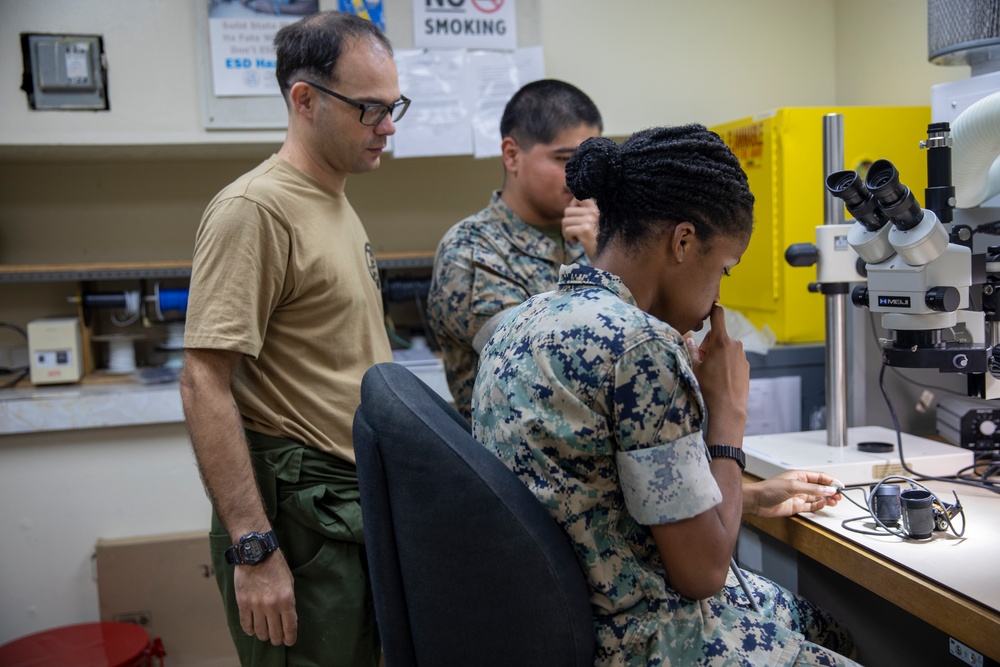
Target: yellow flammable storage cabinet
[782, 154]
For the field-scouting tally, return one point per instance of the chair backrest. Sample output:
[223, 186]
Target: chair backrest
[466, 565]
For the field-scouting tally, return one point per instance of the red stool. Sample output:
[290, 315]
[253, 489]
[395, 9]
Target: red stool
[84, 645]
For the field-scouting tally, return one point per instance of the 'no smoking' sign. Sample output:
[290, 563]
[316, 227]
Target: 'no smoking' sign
[464, 24]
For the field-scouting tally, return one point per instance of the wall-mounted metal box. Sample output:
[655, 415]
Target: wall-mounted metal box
[67, 72]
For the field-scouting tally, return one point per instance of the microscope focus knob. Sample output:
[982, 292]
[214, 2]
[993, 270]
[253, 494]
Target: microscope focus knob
[944, 299]
[859, 297]
[801, 254]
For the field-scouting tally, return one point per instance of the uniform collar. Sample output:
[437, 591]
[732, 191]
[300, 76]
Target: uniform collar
[531, 241]
[576, 276]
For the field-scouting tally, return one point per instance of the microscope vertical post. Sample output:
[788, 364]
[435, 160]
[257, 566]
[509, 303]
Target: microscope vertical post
[836, 309]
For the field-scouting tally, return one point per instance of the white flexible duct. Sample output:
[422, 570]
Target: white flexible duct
[975, 147]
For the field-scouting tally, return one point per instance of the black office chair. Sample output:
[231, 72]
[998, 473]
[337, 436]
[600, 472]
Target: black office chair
[466, 565]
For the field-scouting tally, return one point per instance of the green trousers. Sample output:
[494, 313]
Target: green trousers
[313, 504]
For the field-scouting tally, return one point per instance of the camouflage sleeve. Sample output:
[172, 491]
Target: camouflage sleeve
[472, 283]
[495, 285]
[448, 310]
[662, 462]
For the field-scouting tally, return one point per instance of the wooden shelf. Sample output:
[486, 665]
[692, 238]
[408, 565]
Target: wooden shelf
[35, 273]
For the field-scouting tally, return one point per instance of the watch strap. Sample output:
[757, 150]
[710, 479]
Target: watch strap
[728, 452]
[272, 539]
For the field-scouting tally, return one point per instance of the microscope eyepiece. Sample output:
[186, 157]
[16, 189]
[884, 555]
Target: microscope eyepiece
[847, 185]
[894, 198]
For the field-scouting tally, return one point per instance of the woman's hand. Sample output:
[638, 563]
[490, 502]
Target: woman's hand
[791, 492]
[723, 373]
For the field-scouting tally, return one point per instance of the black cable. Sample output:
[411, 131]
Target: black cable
[992, 228]
[992, 469]
[20, 371]
[945, 510]
[20, 376]
[899, 444]
[16, 328]
[423, 319]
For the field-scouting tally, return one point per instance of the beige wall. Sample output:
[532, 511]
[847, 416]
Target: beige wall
[645, 61]
[881, 54]
[130, 184]
[668, 62]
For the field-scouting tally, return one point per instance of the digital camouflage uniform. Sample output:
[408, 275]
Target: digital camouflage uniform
[593, 403]
[485, 264]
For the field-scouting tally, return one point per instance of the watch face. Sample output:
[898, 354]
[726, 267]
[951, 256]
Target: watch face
[253, 550]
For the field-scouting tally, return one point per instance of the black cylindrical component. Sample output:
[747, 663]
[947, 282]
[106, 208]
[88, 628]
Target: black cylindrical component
[943, 299]
[909, 338]
[938, 154]
[894, 198]
[104, 300]
[917, 507]
[859, 296]
[801, 254]
[847, 185]
[940, 193]
[885, 502]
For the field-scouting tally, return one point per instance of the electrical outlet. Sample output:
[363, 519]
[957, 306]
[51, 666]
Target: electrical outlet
[964, 653]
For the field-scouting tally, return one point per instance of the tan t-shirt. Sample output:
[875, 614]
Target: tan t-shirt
[284, 274]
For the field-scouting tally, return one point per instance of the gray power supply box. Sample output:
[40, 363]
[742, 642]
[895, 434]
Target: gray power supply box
[973, 423]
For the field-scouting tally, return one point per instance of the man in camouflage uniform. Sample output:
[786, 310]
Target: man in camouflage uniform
[512, 249]
[593, 402]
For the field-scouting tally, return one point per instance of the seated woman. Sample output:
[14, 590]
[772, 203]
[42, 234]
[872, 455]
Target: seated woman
[630, 435]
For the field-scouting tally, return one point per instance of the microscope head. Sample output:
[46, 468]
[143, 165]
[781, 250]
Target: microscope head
[917, 279]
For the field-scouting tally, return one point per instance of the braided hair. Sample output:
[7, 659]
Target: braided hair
[659, 177]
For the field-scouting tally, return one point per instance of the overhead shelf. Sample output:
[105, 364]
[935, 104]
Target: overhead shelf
[40, 273]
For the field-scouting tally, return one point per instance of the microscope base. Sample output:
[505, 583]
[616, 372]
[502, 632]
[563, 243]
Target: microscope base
[768, 455]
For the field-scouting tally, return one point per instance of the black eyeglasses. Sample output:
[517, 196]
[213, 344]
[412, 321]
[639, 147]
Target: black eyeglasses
[371, 114]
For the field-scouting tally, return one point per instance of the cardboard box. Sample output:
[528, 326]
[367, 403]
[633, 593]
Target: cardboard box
[166, 584]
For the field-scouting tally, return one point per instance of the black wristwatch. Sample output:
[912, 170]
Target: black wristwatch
[253, 548]
[728, 452]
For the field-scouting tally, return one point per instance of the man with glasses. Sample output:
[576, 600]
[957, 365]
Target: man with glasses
[284, 317]
[494, 260]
